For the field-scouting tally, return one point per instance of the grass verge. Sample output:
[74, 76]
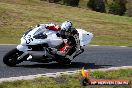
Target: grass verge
[72, 81]
[17, 15]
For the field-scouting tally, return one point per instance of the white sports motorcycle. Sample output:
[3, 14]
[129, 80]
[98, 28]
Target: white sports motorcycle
[36, 43]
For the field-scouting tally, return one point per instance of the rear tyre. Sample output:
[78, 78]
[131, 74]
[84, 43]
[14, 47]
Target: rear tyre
[11, 58]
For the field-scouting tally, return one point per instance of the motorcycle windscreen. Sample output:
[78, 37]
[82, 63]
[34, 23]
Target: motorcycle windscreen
[27, 32]
[40, 36]
[35, 36]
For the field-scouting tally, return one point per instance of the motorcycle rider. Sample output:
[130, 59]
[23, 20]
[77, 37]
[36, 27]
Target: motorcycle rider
[68, 33]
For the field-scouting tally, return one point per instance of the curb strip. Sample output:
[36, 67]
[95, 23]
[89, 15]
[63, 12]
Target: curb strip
[31, 77]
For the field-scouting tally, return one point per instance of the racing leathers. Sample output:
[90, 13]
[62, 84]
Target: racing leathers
[53, 27]
[50, 26]
[69, 44]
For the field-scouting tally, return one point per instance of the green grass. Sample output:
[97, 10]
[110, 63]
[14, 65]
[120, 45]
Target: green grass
[18, 15]
[72, 81]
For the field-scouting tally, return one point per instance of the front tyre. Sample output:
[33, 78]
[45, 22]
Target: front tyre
[11, 58]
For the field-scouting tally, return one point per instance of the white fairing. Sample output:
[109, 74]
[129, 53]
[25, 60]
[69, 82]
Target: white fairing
[51, 38]
[85, 37]
[23, 48]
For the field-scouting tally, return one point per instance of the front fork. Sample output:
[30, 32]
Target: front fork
[24, 49]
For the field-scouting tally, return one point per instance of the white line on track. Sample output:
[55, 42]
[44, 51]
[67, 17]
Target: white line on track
[31, 77]
[107, 45]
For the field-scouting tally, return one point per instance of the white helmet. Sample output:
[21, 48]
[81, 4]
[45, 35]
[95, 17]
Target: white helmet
[67, 25]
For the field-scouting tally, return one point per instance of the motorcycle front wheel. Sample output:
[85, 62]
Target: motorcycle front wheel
[11, 58]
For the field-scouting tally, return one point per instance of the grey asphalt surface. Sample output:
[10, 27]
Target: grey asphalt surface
[94, 57]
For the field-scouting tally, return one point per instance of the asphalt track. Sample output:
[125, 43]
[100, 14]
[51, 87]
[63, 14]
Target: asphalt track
[94, 57]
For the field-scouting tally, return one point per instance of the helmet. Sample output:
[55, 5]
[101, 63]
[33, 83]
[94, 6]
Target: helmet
[67, 25]
[65, 29]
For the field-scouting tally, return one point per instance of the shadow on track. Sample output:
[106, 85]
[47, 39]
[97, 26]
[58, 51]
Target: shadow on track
[60, 66]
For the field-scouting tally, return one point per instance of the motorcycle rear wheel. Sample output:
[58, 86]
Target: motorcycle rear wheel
[10, 58]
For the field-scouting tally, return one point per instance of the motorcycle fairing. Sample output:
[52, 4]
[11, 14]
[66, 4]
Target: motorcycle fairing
[41, 35]
[49, 37]
[84, 37]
